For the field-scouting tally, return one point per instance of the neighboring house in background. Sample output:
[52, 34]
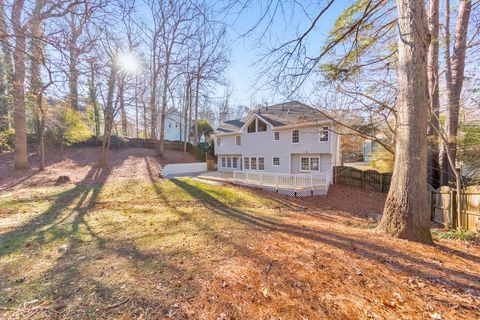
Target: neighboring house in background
[174, 125]
[289, 138]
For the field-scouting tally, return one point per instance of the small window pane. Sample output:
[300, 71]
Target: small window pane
[219, 141]
[234, 162]
[252, 127]
[295, 136]
[262, 126]
[253, 163]
[246, 163]
[304, 164]
[324, 134]
[276, 161]
[261, 164]
[276, 136]
[223, 162]
[314, 164]
[229, 162]
[238, 140]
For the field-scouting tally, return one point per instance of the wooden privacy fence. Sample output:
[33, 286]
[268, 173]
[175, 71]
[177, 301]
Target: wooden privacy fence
[366, 180]
[444, 209]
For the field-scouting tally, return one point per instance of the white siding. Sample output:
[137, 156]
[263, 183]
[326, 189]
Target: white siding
[262, 144]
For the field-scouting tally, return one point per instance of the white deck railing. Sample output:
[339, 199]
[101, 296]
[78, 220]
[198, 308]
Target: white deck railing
[300, 181]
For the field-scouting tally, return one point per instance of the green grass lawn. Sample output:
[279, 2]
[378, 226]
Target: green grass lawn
[78, 249]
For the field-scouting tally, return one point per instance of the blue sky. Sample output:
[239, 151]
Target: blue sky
[245, 51]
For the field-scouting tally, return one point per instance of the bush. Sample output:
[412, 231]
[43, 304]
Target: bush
[7, 140]
[117, 142]
[462, 234]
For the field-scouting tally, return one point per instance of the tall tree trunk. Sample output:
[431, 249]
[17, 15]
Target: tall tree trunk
[197, 90]
[93, 100]
[36, 85]
[21, 161]
[123, 114]
[153, 97]
[109, 115]
[434, 95]
[164, 104]
[188, 103]
[73, 76]
[136, 107]
[6, 73]
[406, 214]
[454, 74]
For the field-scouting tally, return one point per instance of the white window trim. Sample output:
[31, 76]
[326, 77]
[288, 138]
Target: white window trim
[320, 135]
[291, 136]
[309, 170]
[273, 162]
[274, 132]
[258, 163]
[246, 162]
[238, 145]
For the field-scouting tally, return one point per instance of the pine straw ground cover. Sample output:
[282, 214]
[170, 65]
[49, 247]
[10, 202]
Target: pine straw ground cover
[183, 249]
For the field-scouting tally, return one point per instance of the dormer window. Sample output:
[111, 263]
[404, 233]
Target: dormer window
[252, 127]
[262, 126]
[257, 126]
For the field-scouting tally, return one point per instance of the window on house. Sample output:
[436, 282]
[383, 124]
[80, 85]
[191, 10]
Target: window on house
[219, 142]
[262, 126]
[276, 136]
[253, 163]
[261, 163]
[238, 141]
[276, 161]
[229, 162]
[223, 162]
[314, 164]
[324, 134]
[295, 136]
[246, 163]
[252, 127]
[309, 164]
[234, 163]
[304, 164]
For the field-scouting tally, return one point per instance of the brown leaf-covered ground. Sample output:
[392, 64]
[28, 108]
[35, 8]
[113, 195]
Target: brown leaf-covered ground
[185, 249]
[77, 163]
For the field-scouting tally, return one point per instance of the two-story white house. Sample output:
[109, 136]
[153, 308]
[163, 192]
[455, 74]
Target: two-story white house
[288, 138]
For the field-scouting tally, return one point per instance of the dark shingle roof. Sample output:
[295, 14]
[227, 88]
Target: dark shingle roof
[278, 115]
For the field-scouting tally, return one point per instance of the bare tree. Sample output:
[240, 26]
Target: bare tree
[406, 213]
[454, 74]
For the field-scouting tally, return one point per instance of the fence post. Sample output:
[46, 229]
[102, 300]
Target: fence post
[311, 181]
[453, 208]
[363, 180]
[381, 182]
[261, 178]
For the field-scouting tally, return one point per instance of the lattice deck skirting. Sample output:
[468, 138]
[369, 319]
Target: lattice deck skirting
[306, 192]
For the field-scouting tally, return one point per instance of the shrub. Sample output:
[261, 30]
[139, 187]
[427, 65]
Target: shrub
[461, 234]
[117, 142]
[7, 140]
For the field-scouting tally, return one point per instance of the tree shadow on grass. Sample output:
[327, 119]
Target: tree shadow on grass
[354, 245]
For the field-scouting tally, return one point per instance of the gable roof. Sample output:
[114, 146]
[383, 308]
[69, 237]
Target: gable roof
[278, 115]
